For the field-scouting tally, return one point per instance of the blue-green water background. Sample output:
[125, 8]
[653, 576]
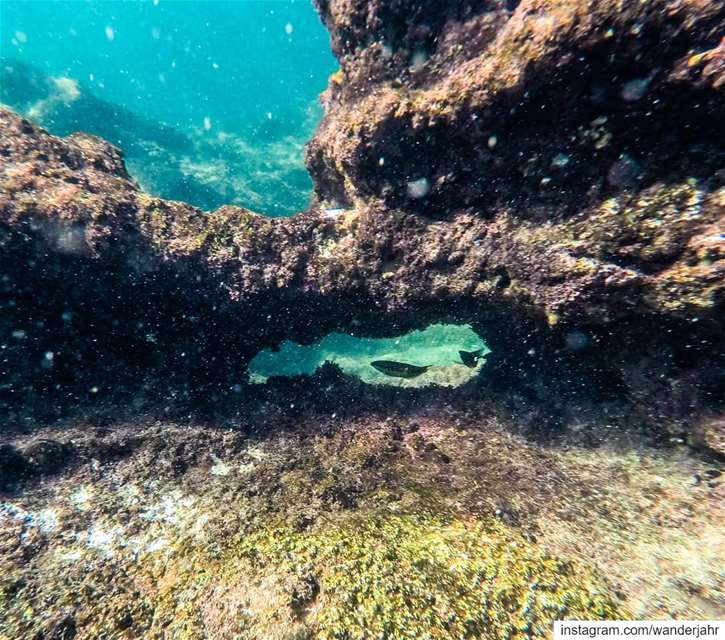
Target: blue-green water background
[236, 83]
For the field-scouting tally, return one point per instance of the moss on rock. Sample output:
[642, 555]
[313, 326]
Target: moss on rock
[426, 576]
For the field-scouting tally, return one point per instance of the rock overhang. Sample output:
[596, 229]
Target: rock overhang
[629, 260]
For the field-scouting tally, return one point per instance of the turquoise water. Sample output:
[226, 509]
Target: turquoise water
[211, 101]
[436, 347]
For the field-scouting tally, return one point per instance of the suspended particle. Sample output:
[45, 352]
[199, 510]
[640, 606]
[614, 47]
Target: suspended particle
[560, 160]
[635, 89]
[418, 188]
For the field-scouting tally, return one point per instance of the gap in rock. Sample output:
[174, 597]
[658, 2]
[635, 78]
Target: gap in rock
[436, 347]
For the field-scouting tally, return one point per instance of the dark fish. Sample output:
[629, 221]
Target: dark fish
[398, 369]
[470, 358]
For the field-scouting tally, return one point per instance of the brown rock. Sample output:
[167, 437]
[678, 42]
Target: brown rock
[543, 169]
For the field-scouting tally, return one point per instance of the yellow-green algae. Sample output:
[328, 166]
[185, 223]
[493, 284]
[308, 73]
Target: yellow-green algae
[379, 575]
[403, 562]
[422, 576]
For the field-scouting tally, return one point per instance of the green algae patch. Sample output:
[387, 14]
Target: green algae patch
[412, 576]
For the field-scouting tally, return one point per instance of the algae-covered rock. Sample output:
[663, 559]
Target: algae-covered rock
[126, 289]
[427, 577]
[544, 170]
[518, 166]
[247, 543]
[446, 525]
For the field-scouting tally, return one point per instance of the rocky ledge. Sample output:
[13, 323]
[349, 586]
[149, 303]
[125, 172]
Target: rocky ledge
[550, 172]
[547, 171]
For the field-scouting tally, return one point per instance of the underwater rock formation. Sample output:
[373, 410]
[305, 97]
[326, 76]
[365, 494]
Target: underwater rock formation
[541, 110]
[446, 525]
[544, 170]
[474, 165]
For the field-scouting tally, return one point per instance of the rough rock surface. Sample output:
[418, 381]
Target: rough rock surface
[547, 170]
[324, 525]
[544, 170]
[121, 283]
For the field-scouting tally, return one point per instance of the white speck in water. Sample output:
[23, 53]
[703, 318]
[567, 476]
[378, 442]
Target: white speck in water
[91, 77]
[214, 66]
[635, 89]
[419, 188]
[21, 37]
[155, 3]
[207, 123]
[269, 115]
[576, 340]
[418, 60]
[18, 334]
[288, 29]
[492, 142]
[560, 160]
[109, 33]
[624, 172]
[381, 162]
[94, 389]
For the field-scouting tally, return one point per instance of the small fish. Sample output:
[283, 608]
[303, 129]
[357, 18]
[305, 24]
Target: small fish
[471, 358]
[398, 369]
